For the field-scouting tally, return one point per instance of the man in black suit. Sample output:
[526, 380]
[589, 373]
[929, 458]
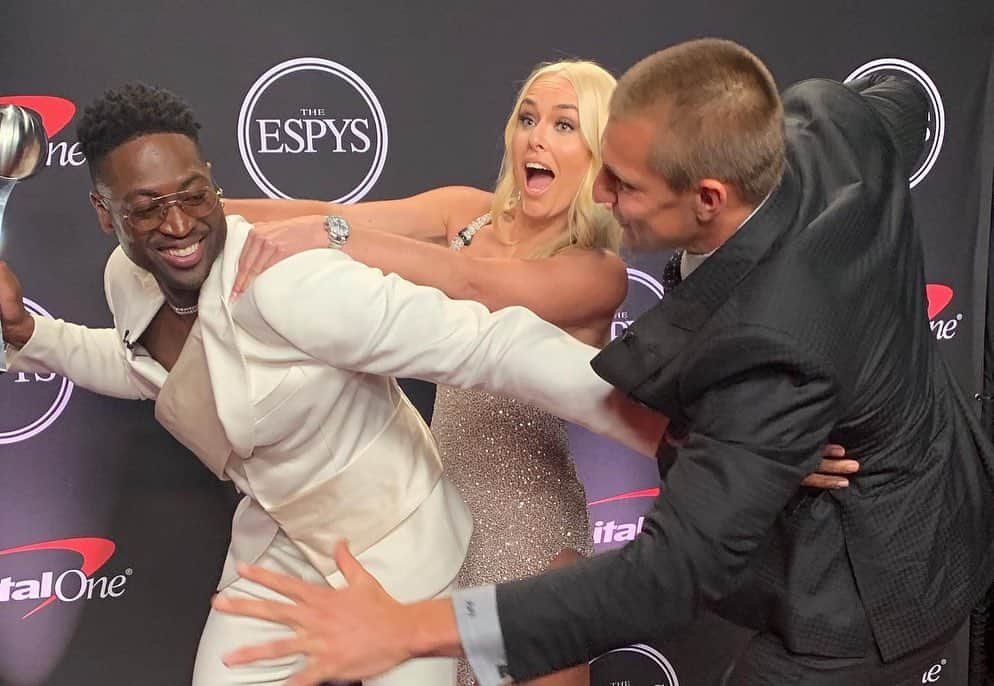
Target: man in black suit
[800, 319]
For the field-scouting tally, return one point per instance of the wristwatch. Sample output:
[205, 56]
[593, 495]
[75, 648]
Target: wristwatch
[338, 231]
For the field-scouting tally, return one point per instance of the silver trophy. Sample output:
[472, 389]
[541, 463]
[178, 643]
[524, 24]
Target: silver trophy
[23, 147]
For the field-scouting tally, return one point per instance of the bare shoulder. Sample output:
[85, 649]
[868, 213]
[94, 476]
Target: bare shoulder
[461, 205]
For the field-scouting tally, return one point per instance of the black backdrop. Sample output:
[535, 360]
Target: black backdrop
[81, 467]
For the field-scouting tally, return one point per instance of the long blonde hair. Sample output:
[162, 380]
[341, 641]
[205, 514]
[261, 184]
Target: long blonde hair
[589, 225]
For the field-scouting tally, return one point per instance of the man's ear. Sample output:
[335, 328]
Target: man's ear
[103, 213]
[710, 200]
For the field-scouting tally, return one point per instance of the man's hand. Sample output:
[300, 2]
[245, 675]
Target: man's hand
[351, 634]
[18, 325]
[832, 469]
[270, 242]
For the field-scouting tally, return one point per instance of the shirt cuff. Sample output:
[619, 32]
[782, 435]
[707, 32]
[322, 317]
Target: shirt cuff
[481, 635]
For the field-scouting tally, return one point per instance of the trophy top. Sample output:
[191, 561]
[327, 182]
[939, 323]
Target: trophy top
[23, 142]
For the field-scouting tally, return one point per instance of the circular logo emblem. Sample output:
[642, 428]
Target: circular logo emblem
[936, 130]
[29, 403]
[644, 291]
[310, 127]
[635, 665]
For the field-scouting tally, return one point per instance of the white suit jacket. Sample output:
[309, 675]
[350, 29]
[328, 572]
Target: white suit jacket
[324, 442]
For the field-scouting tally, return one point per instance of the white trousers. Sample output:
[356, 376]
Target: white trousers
[223, 633]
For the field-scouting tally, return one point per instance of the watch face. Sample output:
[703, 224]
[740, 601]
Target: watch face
[338, 229]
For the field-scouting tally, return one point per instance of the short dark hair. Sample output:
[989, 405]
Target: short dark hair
[718, 115]
[125, 113]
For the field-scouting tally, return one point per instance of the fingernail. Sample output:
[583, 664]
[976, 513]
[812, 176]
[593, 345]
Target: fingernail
[841, 483]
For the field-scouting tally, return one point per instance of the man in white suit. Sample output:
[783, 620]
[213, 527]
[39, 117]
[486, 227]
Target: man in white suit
[288, 391]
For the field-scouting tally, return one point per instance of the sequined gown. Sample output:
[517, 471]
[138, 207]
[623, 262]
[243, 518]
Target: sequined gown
[512, 465]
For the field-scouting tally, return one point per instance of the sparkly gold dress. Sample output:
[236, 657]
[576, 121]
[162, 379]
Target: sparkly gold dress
[512, 465]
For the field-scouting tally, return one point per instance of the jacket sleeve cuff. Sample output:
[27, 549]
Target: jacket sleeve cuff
[481, 635]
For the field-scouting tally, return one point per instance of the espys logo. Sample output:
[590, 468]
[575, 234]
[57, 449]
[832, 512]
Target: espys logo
[310, 127]
[936, 131]
[635, 665]
[939, 296]
[29, 403]
[65, 585]
[55, 113]
[644, 291]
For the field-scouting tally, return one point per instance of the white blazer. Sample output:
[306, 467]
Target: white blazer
[324, 443]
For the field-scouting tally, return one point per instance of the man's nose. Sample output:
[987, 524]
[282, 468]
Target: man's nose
[177, 222]
[603, 190]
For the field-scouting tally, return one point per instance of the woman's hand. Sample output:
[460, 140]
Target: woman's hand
[270, 242]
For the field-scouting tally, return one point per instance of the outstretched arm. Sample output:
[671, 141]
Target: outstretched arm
[903, 106]
[353, 317]
[93, 358]
[427, 216]
[576, 289]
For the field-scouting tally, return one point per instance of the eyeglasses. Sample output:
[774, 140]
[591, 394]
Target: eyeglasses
[148, 215]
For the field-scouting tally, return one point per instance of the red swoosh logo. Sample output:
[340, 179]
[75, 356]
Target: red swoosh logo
[55, 112]
[94, 551]
[939, 295]
[644, 493]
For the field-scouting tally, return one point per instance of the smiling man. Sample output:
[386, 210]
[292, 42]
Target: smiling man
[288, 391]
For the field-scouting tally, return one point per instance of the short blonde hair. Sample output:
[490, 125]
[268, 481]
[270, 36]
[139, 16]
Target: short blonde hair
[589, 225]
[718, 115]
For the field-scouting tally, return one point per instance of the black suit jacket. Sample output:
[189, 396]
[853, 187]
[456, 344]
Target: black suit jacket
[809, 325]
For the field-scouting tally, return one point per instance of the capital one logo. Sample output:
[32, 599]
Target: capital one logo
[30, 403]
[634, 665]
[936, 130]
[42, 587]
[310, 127]
[933, 673]
[943, 327]
[55, 113]
[608, 531]
[644, 291]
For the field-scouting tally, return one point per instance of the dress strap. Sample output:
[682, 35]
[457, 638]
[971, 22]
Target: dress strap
[465, 236]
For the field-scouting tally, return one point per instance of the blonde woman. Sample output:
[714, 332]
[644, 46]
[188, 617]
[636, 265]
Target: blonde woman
[539, 241]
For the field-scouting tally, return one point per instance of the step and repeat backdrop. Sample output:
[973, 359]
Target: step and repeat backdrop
[112, 533]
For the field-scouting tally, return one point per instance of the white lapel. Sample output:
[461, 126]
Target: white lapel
[134, 298]
[229, 375]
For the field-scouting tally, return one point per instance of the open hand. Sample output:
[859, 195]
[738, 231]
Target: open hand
[270, 242]
[349, 634]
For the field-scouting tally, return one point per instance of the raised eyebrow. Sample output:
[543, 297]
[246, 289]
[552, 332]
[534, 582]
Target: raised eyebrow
[562, 106]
